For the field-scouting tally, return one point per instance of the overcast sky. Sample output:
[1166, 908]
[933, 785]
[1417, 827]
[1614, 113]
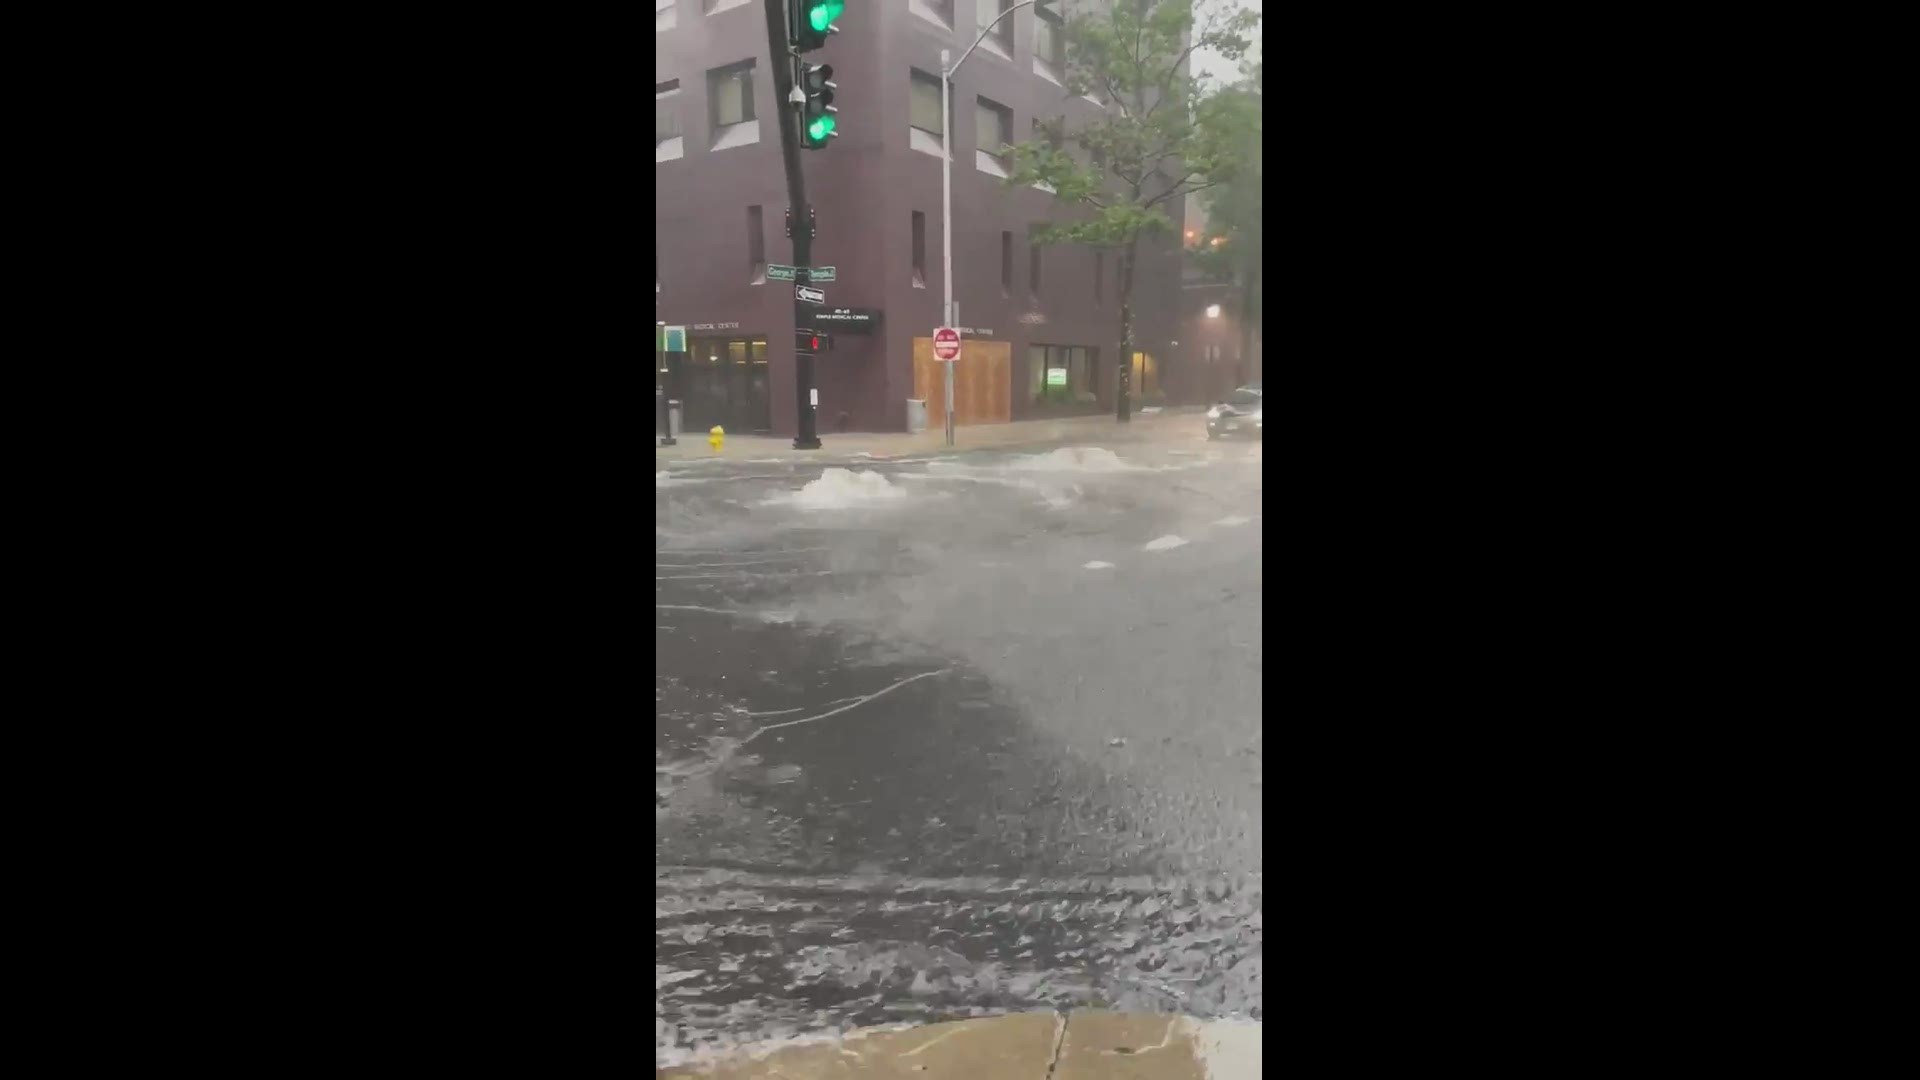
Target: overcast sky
[1222, 69]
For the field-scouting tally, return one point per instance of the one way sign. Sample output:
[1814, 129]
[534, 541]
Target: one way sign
[810, 295]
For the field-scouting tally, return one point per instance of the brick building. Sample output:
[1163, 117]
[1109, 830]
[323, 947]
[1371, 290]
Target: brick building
[1025, 310]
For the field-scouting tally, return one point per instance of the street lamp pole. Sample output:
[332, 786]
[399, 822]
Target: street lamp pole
[946, 190]
[946, 227]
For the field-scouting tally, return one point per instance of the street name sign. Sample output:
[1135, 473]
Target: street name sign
[783, 272]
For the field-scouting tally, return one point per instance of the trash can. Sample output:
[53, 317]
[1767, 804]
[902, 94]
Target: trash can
[916, 415]
[673, 419]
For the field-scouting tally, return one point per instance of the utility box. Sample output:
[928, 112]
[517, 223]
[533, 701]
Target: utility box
[673, 419]
[916, 415]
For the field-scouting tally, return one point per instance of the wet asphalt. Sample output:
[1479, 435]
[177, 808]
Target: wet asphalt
[915, 760]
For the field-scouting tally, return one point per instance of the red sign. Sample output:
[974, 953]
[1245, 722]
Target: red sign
[946, 344]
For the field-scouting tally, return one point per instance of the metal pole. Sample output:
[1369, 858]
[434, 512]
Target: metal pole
[948, 313]
[783, 64]
[946, 222]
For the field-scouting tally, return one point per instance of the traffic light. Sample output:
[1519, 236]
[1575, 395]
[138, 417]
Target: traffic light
[813, 21]
[817, 120]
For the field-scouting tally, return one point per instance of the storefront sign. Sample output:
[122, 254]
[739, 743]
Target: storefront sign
[847, 320]
[716, 326]
[974, 331]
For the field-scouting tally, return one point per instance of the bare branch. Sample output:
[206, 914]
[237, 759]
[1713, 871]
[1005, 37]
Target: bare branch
[1166, 81]
[1188, 191]
[1175, 186]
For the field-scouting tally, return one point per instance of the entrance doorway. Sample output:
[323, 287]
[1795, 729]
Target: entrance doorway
[727, 385]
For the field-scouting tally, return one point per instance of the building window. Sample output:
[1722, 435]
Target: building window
[993, 130]
[730, 106]
[1050, 136]
[664, 16]
[926, 132]
[1000, 38]
[1061, 374]
[667, 141]
[1099, 278]
[756, 248]
[937, 12]
[919, 250]
[1006, 264]
[1049, 40]
[1033, 265]
[1053, 134]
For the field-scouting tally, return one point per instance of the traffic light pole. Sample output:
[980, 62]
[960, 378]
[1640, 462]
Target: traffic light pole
[785, 80]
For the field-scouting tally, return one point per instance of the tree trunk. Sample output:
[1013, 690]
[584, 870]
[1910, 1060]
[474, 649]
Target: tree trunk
[1121, 405]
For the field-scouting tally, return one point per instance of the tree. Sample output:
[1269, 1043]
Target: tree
[1231, 251]
[1163, 135]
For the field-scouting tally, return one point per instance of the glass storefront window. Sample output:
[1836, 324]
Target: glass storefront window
[1078, 361]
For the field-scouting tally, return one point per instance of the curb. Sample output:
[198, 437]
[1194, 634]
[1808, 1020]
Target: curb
[1085, 1044]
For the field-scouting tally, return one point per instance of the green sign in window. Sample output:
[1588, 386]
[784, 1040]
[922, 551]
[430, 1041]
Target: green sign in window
[1056, 376]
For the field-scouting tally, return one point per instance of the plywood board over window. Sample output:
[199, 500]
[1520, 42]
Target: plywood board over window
[982, 382]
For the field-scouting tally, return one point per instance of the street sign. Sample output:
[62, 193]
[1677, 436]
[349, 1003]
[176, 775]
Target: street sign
[811, 296]
[783, 272]
[849, 320]
[946, 344]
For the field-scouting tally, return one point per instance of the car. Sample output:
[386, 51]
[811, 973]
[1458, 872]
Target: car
[1238, 415]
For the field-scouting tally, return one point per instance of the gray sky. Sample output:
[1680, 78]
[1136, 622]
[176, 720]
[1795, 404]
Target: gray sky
[1222, 69]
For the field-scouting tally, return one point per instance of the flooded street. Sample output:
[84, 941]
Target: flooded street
[946, 738]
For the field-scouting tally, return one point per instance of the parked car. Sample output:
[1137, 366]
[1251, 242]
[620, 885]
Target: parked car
[1238, 415]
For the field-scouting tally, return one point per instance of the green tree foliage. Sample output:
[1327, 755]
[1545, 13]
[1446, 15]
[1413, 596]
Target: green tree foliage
[1164, 133]
[1231, 250]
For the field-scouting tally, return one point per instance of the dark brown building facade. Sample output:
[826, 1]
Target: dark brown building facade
[876, 193]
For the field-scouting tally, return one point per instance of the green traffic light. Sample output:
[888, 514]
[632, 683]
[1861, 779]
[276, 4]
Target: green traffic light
[821, 15]
[820, 128]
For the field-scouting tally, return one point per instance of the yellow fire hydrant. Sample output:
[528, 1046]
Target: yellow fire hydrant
[716, 437]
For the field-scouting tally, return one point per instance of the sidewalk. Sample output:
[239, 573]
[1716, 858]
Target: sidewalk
[1103, 429]
[1082, 1045]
